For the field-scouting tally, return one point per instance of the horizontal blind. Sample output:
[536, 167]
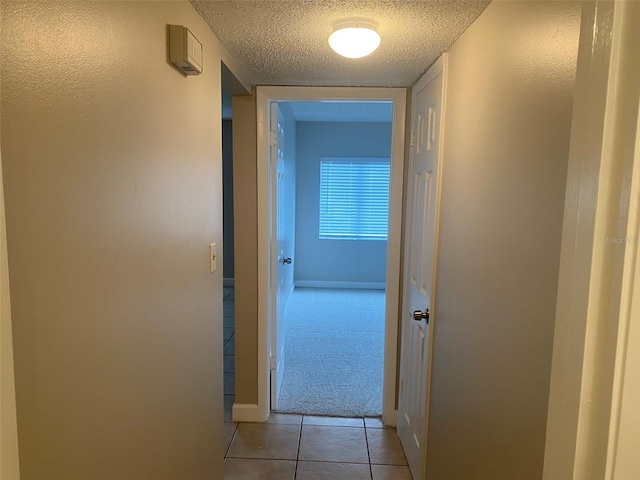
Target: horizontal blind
[354, 198]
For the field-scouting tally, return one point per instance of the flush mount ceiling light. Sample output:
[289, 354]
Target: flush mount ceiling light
[354, 38]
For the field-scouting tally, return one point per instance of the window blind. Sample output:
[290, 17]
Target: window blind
[354, 198]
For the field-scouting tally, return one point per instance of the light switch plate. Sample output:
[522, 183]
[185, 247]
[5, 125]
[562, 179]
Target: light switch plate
[213, 263]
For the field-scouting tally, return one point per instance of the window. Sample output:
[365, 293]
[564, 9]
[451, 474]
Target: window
[354, 198]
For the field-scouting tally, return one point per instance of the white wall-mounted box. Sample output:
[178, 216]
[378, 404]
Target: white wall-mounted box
[185, 51]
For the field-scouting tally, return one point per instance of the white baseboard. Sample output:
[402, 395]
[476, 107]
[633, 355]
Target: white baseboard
[329, 284]
[244, 412]
[290, 292]
[229, 282]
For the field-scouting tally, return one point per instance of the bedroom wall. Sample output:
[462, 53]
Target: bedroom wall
[322, 260]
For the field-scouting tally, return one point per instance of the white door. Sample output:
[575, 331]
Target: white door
[420, 225]
[278, 258]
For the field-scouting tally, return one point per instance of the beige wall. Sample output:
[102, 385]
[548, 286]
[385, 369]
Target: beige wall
[9, 466]
[112, 164]
[245, 213]
[508, 119]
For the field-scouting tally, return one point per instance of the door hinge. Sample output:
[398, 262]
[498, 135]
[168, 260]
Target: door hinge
[413, 138]
[401, 388]
[272, 363]
[273, 139]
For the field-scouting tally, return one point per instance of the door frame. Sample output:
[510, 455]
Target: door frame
[590, 389]
[264, 96]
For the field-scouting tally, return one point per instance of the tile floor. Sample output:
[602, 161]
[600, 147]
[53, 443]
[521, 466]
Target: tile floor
[303, 447]
[229, 351]
[299, 447]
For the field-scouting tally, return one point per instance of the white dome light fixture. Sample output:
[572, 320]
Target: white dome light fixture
[354, 38]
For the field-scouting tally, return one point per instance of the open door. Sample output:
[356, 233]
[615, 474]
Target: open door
[419, 268]
[278, 259]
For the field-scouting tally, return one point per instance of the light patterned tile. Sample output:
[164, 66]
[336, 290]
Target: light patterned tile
[390, 472]
[332, 471]
[230, 346]
[229, 363]
[262, 440]
[227, 333]
[338, 444]
[285, 419]
[333, 421]
[229, 383]
[229, 431]
[253, 469]
[385, 447]
[374, 422]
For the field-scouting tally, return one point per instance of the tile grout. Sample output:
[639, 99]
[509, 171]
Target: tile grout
[295, 471]
[366, 439]
[235, 430]
[297, 459]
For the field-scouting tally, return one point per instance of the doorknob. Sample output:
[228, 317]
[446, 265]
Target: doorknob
[286, 260]
[418, 315]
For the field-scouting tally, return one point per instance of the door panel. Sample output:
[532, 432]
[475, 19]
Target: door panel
[277, 253]
[419, 269]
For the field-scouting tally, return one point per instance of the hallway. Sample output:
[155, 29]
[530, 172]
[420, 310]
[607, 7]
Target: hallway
[118, 351]
[298, 447]
[307, 447]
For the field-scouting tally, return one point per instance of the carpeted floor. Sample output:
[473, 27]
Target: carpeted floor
[334, 350]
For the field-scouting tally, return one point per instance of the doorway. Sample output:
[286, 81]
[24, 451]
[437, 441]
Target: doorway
[332, 228]
[228, 263]
[230, 86]
[269, 257]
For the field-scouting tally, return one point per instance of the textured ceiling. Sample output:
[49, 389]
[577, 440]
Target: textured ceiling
[284, 42]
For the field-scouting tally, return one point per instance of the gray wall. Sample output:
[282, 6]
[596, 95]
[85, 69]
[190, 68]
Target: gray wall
[113, 191]
[334, 260]
[507, 130]
[227, 202]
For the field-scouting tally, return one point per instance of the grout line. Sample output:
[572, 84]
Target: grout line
[235, 430]
[333, 462]
[366, 438]
[333, 426]
[295, 473]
